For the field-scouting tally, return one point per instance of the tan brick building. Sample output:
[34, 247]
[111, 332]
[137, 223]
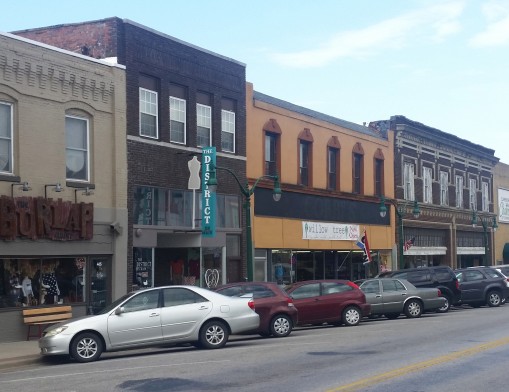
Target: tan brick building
[63, 181]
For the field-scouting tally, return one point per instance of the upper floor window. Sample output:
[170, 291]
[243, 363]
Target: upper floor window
[227, 131]
[305, 157]
[77, 156]
[379, 173]
[408, 181]
[459, 191]
[6, 130]
[485, 196]
[204, 122]
[177, 120]
[272, 148]
[332, 168]
[271, 153]
[472, 188]
[148, 113]
[427, 181]
[444, 188]
[304, 163]
[357, 169]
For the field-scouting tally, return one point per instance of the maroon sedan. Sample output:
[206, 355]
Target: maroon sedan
[277, 313]
[329, 301]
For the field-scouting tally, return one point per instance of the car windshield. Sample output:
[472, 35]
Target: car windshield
[114, 304]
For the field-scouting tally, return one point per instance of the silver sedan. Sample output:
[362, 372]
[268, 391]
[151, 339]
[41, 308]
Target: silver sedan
[391, 297]
[172, 314]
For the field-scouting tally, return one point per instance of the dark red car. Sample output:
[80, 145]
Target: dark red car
[277, 312]
[329, 301]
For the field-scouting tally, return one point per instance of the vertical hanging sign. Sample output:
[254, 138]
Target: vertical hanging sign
[208, 199]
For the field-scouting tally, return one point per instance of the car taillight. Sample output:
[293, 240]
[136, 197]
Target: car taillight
[289, 301]
[251, 304]
[352, 284]
[457, 285]
[439, 293]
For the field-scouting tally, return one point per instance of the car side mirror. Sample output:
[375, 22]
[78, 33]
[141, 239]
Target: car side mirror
[119, 310]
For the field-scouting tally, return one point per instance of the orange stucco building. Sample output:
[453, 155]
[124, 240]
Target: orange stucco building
[332, 173]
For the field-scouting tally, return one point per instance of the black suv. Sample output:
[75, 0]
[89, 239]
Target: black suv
[482, 286]
[441, 277]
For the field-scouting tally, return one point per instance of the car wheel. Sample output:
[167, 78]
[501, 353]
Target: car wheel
[392, 316]
[413, 308]
[447, 305]
[281, 326]
[351, 316]
[213, 334]
[493, 299]
[86, 347]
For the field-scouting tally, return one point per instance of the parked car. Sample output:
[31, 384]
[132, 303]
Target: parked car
[172, 314]
[392, 296]
[482, 286]
[276, 309]
[504, 271]
[441, 277]
[329, 301]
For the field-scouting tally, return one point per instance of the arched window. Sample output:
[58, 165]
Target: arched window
[272, 148]
[305, 158]
[333, 148]
[358, 169]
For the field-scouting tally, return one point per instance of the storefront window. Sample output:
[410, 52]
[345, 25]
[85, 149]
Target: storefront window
[212, 263]
[100, 289]
[143, 266]
[34, 282]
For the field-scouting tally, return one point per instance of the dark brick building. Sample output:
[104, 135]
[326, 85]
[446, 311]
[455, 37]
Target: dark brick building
[452, 181]
[180, 98]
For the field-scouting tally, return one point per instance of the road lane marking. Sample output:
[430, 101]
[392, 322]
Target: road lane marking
[111, 371]
[386, 376]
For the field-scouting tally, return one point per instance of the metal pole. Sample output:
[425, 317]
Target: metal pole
[249, 239]
[400, 239]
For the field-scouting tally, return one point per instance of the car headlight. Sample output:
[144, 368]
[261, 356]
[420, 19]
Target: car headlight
[55, 331]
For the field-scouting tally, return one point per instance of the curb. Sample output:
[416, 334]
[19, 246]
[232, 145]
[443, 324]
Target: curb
[19, 361]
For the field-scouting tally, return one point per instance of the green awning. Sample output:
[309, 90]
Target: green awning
[505, 253]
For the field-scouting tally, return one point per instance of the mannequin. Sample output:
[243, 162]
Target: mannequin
[15, 292]
[28, 292]
[49, 282]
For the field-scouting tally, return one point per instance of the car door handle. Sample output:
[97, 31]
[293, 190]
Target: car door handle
[378, 296]
[403, 294]
[154, 315]
[203, 308]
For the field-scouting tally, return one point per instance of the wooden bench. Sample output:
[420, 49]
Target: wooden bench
[39, 317]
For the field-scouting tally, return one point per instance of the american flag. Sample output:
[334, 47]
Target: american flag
[408, 244]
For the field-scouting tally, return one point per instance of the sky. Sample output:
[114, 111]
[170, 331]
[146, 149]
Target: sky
[443, 63]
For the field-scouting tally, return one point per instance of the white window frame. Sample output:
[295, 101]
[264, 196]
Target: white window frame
[444, 188]
[149, 108]
[459, 191]
[408, 181]
[87, 150]
[227, 127]
[178, 114]
[203, 120]
[472, 188]
[7, 163]
[485, 196]
[427, 183]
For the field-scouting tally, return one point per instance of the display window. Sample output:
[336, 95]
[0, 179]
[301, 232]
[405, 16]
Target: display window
[34, 282]
[29, 282]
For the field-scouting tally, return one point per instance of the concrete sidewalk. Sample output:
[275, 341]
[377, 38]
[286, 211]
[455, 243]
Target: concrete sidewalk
[18, 354]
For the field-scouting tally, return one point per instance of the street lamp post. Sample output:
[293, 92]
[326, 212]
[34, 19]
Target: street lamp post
[247, 192]
[484, 222]
[400, 211]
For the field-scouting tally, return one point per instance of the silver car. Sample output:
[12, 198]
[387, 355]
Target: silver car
[391, 297]
[172, 314]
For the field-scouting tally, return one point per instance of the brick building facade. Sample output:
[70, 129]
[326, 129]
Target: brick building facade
[452, 181]
[180, 98]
